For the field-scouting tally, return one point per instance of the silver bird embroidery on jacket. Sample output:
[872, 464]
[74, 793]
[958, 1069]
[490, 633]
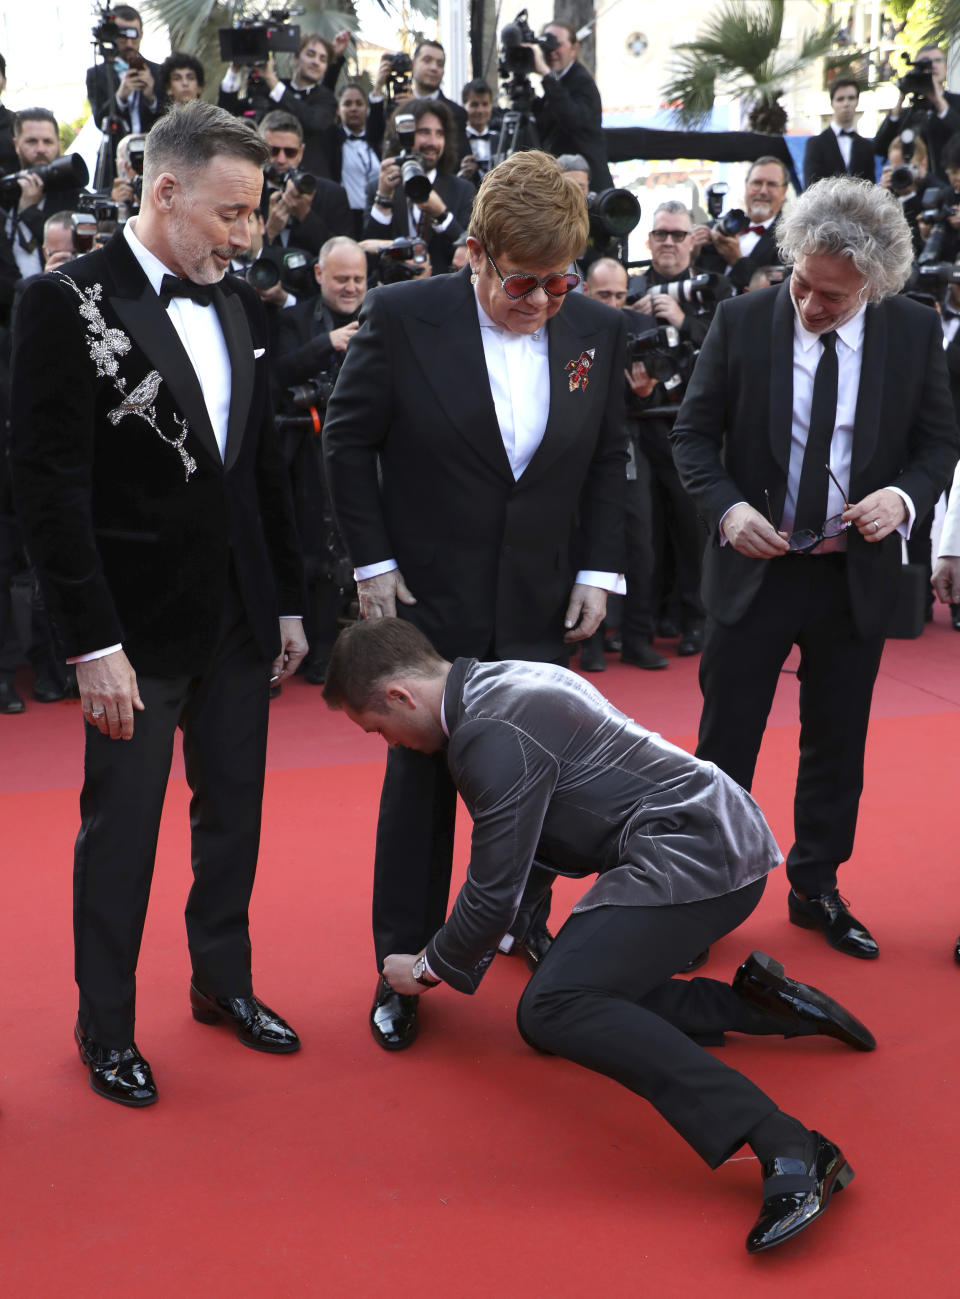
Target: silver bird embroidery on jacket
[105, 346]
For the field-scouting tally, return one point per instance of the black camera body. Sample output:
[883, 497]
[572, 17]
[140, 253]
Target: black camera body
[919, 80]
[108, 31]
[665, 356]
[938, 208]
[730, 223]
[392, 261]
[252, 41]
[413, 165]
[702, 291]
[613, 214]
[400, 76]
[937, 274]
[295, 269]
[515, 60]
[304, 182]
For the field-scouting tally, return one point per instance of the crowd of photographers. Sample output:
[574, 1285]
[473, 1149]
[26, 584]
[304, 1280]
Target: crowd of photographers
[367, 188]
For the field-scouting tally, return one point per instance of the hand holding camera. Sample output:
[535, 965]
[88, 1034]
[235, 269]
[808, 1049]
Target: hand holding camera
[389, 177]
[31, 189]
[663, 307]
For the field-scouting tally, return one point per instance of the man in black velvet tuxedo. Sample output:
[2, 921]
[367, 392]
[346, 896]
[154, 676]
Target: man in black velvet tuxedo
[830, 369]
[738, 256]
[476, 459]
[157, 512]
[444, 214]
[839, 150]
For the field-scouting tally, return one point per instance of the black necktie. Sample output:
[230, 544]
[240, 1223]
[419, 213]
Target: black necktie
[814, 479]
[172, 286]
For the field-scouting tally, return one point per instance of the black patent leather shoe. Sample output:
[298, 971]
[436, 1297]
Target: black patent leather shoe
[393, 1018]
[591, 654]
[121, 1076]
[761, 981]
[796, 1193]
[842, 930]
[696, 963]
[10, 701]
[256, 1025]
[956, 952]
[534, 947]
[643, 655]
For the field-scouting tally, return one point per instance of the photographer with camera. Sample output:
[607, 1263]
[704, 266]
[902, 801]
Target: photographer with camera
[125, 85]
[46, 183]
[933, 111]
[127, 186]
[738, 242]
[303, 210]
[938, 220]
[312, 340]
[569, 114]
[417, 194]
[477, 99]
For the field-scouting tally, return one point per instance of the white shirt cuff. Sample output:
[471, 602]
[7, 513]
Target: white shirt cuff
[96, 654]
[906, 526]
[276, 94]
[290, 302]
[381, 215]
[444, 223]
[615, 583]
[374, 570]
[232, 82]
[428, 971]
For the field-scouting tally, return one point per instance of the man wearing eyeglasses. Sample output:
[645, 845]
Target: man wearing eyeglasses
[738, 256]
[476, 461]
[817, 427]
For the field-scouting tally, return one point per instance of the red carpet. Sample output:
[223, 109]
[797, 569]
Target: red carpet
[469, 1165]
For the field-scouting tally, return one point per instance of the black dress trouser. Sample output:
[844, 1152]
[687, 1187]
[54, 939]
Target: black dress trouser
[223, 716]
[604, 997]
[803, 600]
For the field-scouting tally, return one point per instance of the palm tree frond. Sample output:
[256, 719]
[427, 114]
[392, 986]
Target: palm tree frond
[691, 90]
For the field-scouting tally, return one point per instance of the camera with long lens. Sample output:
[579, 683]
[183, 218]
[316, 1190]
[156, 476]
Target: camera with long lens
[919, 80]
[937, 275]
[702, 291]
[304, 182]
[666, 357]
[413, 165]
[515, 59]
[295, 269]
[97, 213]
[68, 172]
[613, 214]
[938, 208]
[394, 262]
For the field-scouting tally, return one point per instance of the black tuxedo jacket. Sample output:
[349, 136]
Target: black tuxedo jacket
[418, 472]
[303, 347]
[822, 157]
[9, 162]
[102, 79]
[731, 439]
[570, 120]
[763, 253]
[132, 538]
[457, 193]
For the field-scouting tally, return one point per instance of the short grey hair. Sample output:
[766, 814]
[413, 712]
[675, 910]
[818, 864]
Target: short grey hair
[676, 207]
[189, 136]
[573, 162]
[843, 217]
[335, 242]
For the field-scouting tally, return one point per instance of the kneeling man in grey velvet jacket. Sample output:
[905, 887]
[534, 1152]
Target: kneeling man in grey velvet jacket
[551, 773]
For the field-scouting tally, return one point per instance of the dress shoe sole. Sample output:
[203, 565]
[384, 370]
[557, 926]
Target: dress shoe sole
[763, 975]
[801, 919]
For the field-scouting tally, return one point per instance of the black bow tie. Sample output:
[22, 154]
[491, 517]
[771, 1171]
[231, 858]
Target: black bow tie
[845, 133]
[172, 286]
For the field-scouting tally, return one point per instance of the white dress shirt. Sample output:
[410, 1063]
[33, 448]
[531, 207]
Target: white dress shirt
[518, 371]
[749, 240]
[844, 143]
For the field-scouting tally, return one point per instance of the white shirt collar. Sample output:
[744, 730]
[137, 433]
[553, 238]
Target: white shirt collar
[851, 332]
[152, 267]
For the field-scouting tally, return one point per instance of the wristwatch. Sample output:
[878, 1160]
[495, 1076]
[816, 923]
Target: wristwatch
[420, 973]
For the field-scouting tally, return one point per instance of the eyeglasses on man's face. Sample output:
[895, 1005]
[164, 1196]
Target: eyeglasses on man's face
[677, 236]
[284, 151]
[519, 284]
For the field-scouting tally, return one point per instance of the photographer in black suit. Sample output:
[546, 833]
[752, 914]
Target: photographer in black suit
[303, 211]
[738, 256]
[569, 114]
[125, 84]
[443, 216]
[839, 150]
[934, 112]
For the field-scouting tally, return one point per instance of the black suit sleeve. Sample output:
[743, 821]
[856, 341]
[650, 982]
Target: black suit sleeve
[329, 215]
[812, 162]
[299, 355]
[315, 112]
